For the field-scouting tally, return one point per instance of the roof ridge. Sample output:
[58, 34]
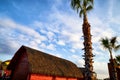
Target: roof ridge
[26, 47]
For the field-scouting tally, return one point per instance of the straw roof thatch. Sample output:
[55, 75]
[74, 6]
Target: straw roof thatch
[46, 64]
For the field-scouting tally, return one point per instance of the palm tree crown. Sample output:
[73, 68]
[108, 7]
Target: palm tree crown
[110, 44]
[82, 6]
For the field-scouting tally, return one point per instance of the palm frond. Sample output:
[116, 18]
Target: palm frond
[89, 8]
[81, 6]
[117, 48]
[85, 3]
[75, 4]
[113, 40]
[81, 12]
[105, 43]
[91, 1]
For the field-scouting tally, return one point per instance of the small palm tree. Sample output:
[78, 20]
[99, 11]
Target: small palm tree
[110, 45]
[82, 7]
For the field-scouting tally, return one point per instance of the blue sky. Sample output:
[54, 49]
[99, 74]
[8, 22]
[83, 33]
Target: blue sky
[53, 27]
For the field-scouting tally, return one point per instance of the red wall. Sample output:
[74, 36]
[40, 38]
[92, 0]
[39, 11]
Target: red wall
[21, 69]
[39, 77]
[43, 77]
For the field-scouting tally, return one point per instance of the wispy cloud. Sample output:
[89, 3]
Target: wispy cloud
[60, 42]
[19, 34]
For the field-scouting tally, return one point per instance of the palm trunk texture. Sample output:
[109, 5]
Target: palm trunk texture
[89, 74]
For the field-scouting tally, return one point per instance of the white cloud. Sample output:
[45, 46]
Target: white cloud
[31, 32]
[72, 50]
[37, 24]
[6, 22]
[50, 35]
[61, 42]
[33, 44]
[78, 60]
[43, 31]
[101, 69]
[45, 47]
[73, 39]
[51, 47]
[80, 63]
[118, 39]
[97, 29]
[23, 38]
[25, 30]
[71, 23]
[14, 44]
[58, 55]
[78, 45]
[42, 45]
[75, 56]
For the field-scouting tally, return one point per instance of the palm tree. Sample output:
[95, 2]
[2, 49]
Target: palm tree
[110, 45]
[82, 7]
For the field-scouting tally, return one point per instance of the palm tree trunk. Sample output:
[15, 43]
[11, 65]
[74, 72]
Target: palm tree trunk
[88, 50]
[110, 51]
[112, 62]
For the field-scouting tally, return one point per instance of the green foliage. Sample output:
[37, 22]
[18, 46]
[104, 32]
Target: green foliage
[110, 43]
[75, 4]
[82, 6]
[105, 43]
[118, 59]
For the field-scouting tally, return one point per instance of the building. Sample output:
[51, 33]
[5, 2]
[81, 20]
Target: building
[31, 64]
[3, 70]
[4, 64]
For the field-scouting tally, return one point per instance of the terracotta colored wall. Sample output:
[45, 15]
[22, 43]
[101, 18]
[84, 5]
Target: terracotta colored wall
[21, 69]
[42, 77]
[60, 78]
[39, 77]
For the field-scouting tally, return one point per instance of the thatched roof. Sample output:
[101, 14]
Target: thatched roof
[46, 64]
[82, 69]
